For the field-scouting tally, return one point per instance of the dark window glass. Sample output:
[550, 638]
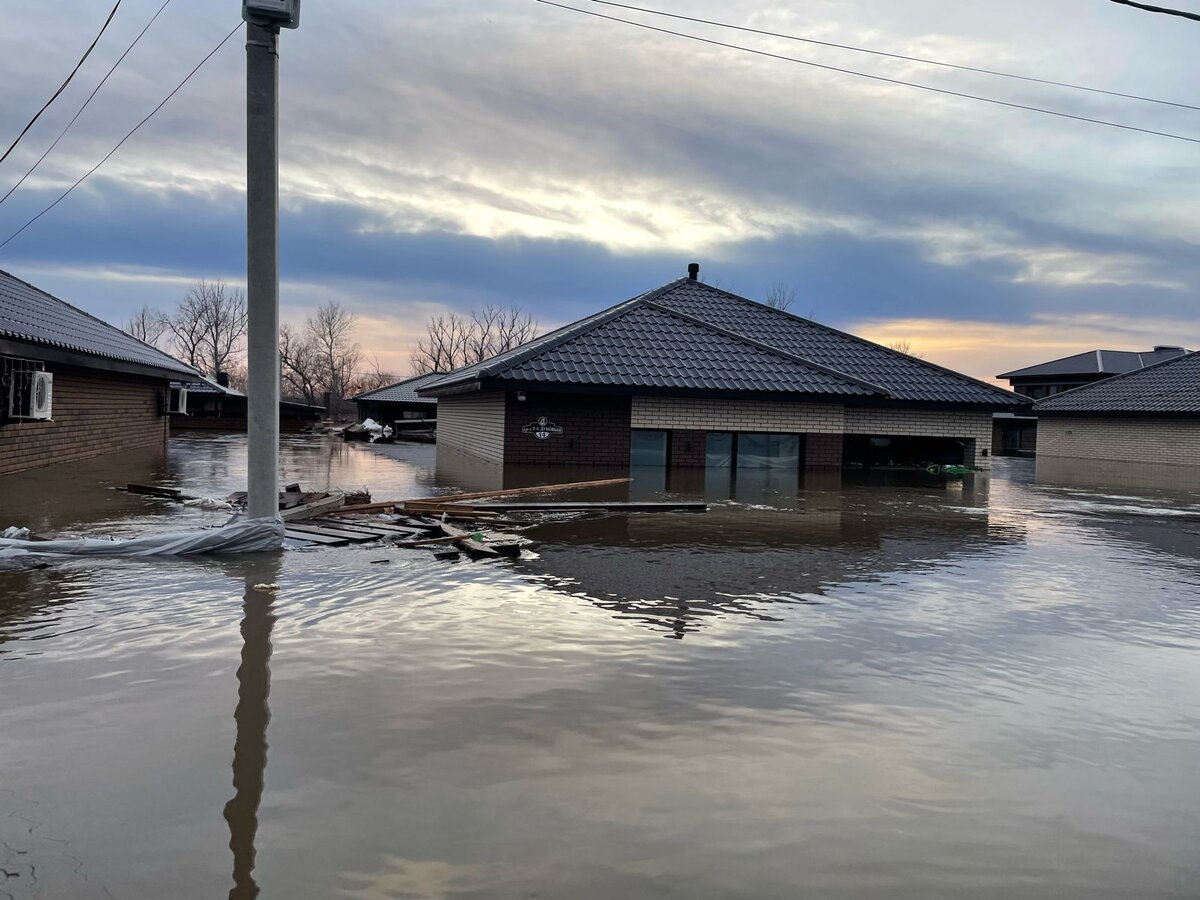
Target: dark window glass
[718, 450]
[648, 448]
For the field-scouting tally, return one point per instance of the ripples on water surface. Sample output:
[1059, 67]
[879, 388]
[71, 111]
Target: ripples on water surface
[872, 690]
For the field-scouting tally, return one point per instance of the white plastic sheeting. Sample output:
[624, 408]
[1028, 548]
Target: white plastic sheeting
[238, 536]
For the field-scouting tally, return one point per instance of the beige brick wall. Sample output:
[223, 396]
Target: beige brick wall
[810, 418]
[737, 415]
[1173, 442]
[472, 424]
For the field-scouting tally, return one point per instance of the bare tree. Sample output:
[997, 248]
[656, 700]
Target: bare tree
[208, 327]
[147, 325]
[780, 296]
[372, 378]
[452, 341]
[903, 345]
[331, 331]
[298, 366]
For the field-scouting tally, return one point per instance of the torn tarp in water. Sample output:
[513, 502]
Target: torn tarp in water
[238, 536]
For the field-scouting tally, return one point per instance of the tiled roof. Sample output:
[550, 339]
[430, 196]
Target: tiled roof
[403, 391]
[32, 316]
[1171, 386]
[207, 386]
[687, 334]
[1098, 362]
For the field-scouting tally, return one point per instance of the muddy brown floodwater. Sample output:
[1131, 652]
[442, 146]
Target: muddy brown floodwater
[903, 688]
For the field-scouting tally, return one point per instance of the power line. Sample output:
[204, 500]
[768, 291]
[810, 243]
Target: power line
[1160, 9]
[95, 91]
[150, 115]
[882, 78]
[62, 87]
[916, 59]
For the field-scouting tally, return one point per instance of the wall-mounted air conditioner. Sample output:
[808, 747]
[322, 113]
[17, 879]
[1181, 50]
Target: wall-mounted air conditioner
[31, 395]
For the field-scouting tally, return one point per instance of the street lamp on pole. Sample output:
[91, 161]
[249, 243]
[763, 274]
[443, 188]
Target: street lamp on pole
[263, 19]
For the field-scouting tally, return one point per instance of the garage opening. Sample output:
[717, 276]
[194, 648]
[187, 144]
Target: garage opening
[905, 451]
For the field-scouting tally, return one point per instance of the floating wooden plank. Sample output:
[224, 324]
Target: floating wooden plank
[376, 533]
[612, 506]
[327, 504]
[371, 524]
[324, 540]
[353, 537]
[464, 541]
[153, 490]
[508, 492]
[383, 506]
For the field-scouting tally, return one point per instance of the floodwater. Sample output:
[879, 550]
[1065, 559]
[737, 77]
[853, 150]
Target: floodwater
[904, 688]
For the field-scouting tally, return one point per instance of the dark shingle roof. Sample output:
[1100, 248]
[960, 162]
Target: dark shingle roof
[403, 391]
[1171, 386]
[32, 316]
[1098, 362]
[207, 386]
[687, 334]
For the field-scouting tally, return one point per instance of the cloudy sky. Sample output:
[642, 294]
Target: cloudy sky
[445, 155]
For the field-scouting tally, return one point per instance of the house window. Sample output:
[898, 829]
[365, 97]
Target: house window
[648, 448]
[752, 450]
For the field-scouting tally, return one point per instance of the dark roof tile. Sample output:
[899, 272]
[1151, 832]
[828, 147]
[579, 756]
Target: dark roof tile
[403, 391]
[1170, 386]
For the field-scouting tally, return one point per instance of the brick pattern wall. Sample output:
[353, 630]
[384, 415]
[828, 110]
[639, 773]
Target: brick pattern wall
[823, 451]
[473, 424]
[1153, 442]
[688, 447]
[595, 430]
[737, 415]
[94, 413]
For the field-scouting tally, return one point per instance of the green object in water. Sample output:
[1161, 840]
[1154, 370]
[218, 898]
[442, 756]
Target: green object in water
[477, 536]
[949, 470]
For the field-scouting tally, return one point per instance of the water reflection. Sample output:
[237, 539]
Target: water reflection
[252, 716]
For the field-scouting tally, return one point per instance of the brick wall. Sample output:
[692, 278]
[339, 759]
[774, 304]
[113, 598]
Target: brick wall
[595, 430]
[94, 413]
[823, 451]
[473, 424]
[736, 415]
[688, 447]
[1151, 442]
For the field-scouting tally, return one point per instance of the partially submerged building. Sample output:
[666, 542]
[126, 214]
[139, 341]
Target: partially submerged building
[212, 404]
[1016, 434]
[73, 386]
[399, 402]
[691, 375]
[1148, 417]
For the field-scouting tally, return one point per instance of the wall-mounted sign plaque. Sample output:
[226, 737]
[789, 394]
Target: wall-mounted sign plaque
[542, 429]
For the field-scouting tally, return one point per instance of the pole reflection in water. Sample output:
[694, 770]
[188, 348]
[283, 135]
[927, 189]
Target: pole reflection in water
[251, 715]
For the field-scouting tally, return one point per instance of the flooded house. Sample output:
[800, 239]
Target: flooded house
[210, 403]
[1016, 435]
[399, 402]
[689, 375]
[1147, 419]
[73, 386]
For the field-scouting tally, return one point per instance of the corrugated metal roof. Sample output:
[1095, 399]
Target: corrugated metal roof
[403, 391]
[1170, 386]
[30, 315]
[1097, 362]
[687, 334]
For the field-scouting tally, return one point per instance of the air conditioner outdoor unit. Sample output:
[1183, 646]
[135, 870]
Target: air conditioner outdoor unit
[30, 395]
[178, 400]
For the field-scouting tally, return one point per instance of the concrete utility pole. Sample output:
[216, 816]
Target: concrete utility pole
[262, 268]
[263, 21]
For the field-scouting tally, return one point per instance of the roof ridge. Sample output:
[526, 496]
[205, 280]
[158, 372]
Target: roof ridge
[1112, 379]
[860, 340]
[396, 384]
[767, 348]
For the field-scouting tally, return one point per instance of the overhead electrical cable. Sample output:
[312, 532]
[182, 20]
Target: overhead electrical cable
[881, 78]
[62, 87]
[1160, 9]
[130, 134]
[95, 91]
[901, 56]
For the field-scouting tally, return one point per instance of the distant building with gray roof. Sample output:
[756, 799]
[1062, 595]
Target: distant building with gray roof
[1147, 417]
[691, 375]
[399, 402]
